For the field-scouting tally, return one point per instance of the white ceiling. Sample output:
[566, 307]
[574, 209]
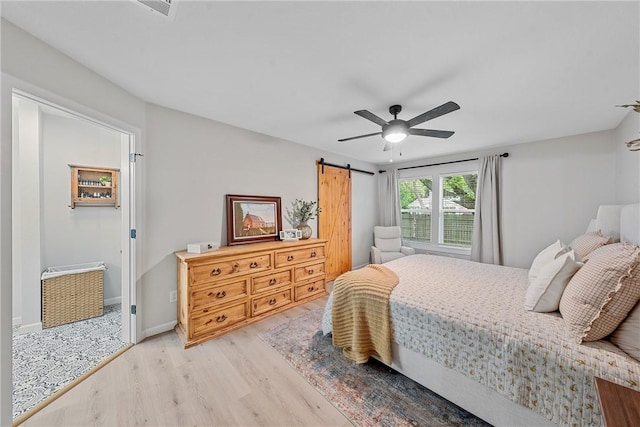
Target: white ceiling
[521, 71]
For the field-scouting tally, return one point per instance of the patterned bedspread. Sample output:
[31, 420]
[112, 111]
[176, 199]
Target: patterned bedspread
[469, 317]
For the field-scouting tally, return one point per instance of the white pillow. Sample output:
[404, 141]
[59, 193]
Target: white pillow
[545, 290]
[545, 256]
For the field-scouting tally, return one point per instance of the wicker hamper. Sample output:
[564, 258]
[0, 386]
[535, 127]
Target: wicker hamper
[72, 293]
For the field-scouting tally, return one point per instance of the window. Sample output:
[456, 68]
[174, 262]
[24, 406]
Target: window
[438, 209]
[457, 209]
[416, 207]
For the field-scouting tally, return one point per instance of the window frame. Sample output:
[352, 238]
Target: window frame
[436, 173]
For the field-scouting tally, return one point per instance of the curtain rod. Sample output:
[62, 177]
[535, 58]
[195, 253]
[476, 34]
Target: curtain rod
[348, 167]
[443, 163]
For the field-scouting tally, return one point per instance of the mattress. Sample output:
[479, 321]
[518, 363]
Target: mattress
[469, 317]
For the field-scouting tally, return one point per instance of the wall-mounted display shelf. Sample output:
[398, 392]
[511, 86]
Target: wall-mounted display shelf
[94, 186]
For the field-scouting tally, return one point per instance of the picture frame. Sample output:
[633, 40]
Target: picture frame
[252, 219]
[290, 235]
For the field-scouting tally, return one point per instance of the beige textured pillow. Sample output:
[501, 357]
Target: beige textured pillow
[545, 290]
[585, 244]
[601, 294]
[545, 256]
[627, 336]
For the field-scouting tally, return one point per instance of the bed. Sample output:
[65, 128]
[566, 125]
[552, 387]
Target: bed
[459, 328]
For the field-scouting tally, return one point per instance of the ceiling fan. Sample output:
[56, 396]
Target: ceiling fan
[397, 130]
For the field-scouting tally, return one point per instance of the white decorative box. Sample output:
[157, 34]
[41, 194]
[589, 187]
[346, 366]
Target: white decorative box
[202, 247]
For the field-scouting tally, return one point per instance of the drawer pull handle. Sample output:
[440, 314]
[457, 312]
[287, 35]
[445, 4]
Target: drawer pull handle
[206, 310]
[208, 321]
[216, 272]
[272, 301]
[235, 267]
[221, 319]
[290, 258]
[313, 254]
[310, 271]
[253, 264]
[272, 282]
[222, 294]
[310, 289]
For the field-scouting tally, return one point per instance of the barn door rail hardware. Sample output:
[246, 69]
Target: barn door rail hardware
[348, 167]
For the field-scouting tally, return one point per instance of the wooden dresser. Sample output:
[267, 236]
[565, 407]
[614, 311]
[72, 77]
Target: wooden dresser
[233, 286]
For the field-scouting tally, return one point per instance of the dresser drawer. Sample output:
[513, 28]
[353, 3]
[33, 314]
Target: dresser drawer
[212, 320]
[296, 256]
[270, 302]
[216, 295]
[308, 289]
[229, 267]
[309, 271]
[271, 281]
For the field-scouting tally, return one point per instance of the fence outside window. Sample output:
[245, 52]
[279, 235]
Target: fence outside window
[456, 229]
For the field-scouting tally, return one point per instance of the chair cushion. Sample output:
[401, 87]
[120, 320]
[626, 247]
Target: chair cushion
[388, 245]
[390, 232]
[389, 256]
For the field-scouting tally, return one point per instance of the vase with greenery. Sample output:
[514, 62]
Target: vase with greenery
[300, 213]
[105, 181]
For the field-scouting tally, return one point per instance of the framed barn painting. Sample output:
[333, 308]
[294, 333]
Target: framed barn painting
[252, 219]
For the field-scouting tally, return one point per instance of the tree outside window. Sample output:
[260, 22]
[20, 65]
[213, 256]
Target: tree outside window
[454, 208]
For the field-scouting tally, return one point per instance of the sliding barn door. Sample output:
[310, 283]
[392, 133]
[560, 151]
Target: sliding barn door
[334, 222]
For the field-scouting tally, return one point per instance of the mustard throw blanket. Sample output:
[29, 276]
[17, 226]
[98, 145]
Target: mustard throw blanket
[361, 324]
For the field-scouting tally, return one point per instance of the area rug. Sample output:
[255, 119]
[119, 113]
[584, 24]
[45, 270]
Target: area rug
[46, 361]
[370, 394]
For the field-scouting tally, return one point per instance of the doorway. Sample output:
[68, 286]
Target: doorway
[50, 231]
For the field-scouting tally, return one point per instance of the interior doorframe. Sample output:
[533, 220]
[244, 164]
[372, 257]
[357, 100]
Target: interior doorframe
[129, 136]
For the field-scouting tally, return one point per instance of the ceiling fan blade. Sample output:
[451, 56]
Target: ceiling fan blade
[432, 114]
[360, 136]
[431, 132]
[370, 116]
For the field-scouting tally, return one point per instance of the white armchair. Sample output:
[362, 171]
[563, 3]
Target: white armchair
[388, 245]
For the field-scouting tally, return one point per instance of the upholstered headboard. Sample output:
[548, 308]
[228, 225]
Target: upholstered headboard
[622, 222]
[630, 224]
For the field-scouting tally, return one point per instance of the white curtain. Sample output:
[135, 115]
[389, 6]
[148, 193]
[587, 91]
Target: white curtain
[486, 245]
[388, 199]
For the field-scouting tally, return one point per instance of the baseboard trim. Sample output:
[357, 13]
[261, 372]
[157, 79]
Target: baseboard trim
[17, 321]
[32, 327]
[112, 301]
[157, 330]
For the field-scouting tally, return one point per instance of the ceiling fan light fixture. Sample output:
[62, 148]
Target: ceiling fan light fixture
[395, 132]
[395, 137]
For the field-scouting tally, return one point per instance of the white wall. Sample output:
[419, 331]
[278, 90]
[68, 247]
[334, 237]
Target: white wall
[627, 162]
[192, 163]
[83, 234]
[551, 189]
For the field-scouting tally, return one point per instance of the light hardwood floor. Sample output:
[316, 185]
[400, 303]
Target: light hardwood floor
[233, 380]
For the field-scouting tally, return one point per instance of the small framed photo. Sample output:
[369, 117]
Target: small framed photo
[289, 235]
